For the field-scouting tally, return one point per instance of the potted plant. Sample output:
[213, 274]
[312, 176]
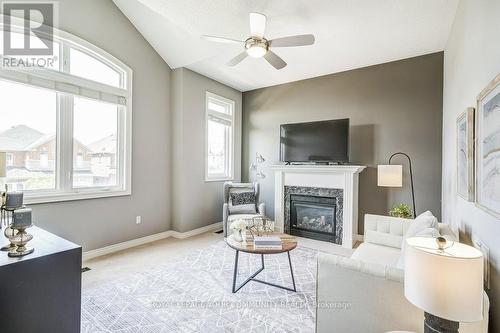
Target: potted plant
[401, 210]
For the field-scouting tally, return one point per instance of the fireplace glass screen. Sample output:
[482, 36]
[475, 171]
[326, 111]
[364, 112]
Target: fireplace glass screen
[313, 216]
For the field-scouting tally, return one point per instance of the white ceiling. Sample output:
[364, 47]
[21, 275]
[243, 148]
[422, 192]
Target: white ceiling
[349, 34]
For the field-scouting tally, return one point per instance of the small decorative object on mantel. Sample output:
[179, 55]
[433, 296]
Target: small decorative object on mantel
[402, 211]
[239, 227]
[21, 220]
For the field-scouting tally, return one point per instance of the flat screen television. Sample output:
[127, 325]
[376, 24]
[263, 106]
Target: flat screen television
[318, 141]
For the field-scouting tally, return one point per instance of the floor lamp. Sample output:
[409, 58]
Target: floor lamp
[391, 175]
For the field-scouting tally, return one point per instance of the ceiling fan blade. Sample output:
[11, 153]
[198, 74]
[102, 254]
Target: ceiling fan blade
[298, 40]
[257, 24]
[239, 58]
[274, 60]
[221, 39]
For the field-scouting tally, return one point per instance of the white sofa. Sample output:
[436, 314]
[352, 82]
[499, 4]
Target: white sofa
[365, 293]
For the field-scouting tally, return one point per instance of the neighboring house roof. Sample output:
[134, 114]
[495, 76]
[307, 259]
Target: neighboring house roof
[24, 138]
[18, 138]
[41, 141]
[106, 145]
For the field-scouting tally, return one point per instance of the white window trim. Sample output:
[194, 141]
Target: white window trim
[66, 83]
[219, 178]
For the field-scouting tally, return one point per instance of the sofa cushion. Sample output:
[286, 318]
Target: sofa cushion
[385, 230]
[427, 232]
[242, 202]
[446, 231]
[377, 254]
[421, 222]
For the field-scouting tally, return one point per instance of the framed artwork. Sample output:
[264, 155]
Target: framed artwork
[465, 155]
[488, 148]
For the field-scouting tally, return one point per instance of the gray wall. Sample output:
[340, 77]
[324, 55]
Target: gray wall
[392, 107]
[471, 61]
[196, 203]
[101, 222]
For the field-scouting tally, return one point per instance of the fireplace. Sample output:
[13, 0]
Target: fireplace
[334, 181]
[314, 213]
[313, 217]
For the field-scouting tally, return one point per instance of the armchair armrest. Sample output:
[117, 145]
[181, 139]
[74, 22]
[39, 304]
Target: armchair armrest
[261, 209]
[225, 214]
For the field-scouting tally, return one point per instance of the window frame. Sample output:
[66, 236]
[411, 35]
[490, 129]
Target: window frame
[230, 150]
[86, 88]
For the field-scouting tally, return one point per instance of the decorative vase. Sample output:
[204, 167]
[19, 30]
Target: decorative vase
[238, 235]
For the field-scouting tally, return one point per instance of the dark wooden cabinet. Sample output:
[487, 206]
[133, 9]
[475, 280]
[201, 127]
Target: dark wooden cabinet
[41, 292]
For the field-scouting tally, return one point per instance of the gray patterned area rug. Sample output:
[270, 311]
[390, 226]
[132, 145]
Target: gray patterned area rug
[193, 294]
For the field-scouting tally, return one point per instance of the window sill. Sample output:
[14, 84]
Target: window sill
[214, 180]
[73, 196]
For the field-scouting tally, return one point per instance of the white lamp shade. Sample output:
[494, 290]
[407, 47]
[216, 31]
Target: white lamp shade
[390, 175]
[447, 283]
[3, 164]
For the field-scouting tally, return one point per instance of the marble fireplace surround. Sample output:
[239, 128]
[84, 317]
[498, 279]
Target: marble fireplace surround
[335, 193]
[342, 177]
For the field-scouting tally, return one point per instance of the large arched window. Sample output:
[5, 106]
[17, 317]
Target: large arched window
[66, 128]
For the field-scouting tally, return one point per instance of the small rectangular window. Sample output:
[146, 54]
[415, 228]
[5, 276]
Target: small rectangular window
[219, 148]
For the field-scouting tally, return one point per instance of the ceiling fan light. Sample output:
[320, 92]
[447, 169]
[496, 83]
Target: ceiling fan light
[257, 51]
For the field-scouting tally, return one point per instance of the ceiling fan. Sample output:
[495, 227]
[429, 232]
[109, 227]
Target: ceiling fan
[257, 46]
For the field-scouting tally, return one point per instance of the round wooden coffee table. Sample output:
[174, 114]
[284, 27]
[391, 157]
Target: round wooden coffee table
[289, 243]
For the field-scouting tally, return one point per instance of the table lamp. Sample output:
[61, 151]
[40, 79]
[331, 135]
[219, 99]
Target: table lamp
[391, 175]
[445, 279]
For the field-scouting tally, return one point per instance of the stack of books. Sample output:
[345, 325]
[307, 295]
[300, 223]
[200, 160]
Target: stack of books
[267, 243]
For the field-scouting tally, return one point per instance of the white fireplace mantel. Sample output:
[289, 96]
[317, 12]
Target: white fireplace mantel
[345, 177]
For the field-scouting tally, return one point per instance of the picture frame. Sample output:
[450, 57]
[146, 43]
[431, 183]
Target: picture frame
[465, 155]
[487, 148]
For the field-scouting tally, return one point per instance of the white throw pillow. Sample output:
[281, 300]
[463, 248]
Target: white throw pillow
[427, 232]
[421, 222]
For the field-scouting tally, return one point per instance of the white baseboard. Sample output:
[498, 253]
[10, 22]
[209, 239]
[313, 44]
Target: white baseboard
[148, 239]
[359, 238]
[182, 235]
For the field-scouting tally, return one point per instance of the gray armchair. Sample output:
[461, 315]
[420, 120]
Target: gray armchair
[227, 215]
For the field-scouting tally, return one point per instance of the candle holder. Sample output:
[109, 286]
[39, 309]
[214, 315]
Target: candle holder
[20, 240]
[9, 233]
